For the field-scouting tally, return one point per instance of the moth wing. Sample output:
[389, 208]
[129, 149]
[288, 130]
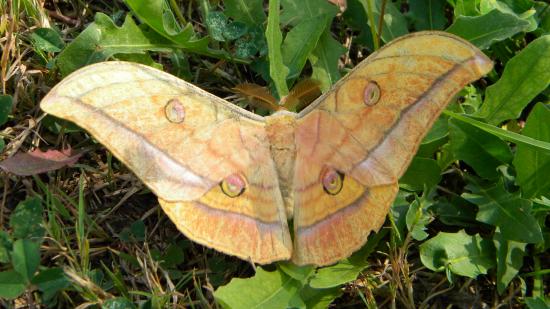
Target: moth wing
[183, 143]
[367, 129]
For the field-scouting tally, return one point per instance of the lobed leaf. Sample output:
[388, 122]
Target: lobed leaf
[482, 31]
[459, 252]
[524, 77]
[509, 259]
[508, 211]
[103, 39]
[483, 151]
[324, 60]
[265, 290]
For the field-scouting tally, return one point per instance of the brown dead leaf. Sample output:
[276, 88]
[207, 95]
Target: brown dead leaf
[38, 161]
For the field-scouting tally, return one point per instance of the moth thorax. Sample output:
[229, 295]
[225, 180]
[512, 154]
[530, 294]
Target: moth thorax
[280, 129]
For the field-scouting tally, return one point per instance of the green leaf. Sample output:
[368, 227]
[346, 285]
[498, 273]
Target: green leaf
[504, 134]
[319, 298]
[422, 173]
[336, 275]
[6, 106]
[216, 22]
[428, 14]
[436, 137]
[118, 303]
[158, 15]
[6, 246]
[250, 12]
[532, 165]
[277, 70]
[264, 290]
[482, 31]
[50, 281]
[524, 77]
[324, 60]
[506, 210]
[417, 218]
[25, 257]
[26, 220]
[457, 212]
[459, 252]
[509, 259]
[295, 12]
[235, 30]
[47, 40]
[536, 303]
[12, 284]
[103, 39]
[465, 7]
[300, 41]
[300, 273]
[394, 23]
[484, 152]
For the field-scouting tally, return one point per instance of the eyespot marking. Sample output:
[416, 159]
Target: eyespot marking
[332, 180]
[174, 111]
[233, 185]
[371, 93]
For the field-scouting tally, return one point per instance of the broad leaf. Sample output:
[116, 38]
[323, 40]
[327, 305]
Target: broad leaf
[12, 284]
[26, 257]
[319, 298]
[533, 165]
[394, 23]
[479, 149]
[482, 31]
[158, 15]
[300, 41]
[427, 14]
[264, 290]
[506, 210]
[422, 173]
[6, 106]
[509, 259]
[465, 7]
[250, 12]
[50, 281]
[336, 275]
[47, 40]
[324, 60]
[417, 218]
[103, 39]
[26, 220]
[295, 12]
[459, 252]
[524, 77]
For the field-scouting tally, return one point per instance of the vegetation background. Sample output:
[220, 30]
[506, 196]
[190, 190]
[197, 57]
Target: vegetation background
[470, 228]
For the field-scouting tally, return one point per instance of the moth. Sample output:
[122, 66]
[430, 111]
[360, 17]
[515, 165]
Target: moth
[232, 180]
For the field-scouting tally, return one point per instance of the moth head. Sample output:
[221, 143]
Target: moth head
[332, 181]
[233, 185]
